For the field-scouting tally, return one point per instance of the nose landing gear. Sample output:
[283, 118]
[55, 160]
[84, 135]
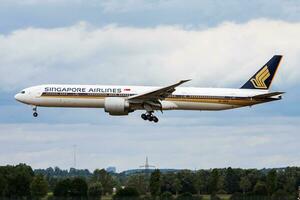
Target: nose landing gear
[35, 114]
[150, 117]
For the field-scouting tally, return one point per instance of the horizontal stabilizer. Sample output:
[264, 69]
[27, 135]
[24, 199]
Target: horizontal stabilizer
[268, 95]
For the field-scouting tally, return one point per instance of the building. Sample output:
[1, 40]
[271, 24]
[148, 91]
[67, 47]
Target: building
[111, 169]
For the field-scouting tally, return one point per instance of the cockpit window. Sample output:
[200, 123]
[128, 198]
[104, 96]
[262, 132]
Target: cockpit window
[23, 92]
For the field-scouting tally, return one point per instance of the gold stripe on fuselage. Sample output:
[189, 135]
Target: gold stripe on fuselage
[237, 101]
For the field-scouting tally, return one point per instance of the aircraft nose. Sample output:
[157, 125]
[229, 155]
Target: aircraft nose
[17, 97]
[20, 97]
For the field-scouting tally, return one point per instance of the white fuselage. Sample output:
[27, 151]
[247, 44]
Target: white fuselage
[93, 96]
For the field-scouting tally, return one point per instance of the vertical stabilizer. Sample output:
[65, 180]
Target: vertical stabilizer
[263, 78]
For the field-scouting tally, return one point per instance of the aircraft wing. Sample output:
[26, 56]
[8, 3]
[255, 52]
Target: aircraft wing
[268, 95]
[157, 94]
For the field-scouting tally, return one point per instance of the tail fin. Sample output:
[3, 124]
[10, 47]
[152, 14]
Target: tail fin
[263, 78]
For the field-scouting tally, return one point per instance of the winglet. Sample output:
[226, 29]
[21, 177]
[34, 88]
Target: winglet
[263, 78]
[183, 81]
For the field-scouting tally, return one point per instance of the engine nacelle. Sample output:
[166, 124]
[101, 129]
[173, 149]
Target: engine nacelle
[116, 106]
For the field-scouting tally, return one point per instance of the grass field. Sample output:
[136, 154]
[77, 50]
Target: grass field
[222, 196]
[106, 198]
[205, 197]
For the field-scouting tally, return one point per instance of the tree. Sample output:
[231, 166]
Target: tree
[198, 183]
[221, 185]
[290, 185]
[187, 181]
[177, 185]
[79, 188]
[280, 195]
[138, 182]
[166, 196]
[231, 181]
[126, 194]
[260, 189]
[213, 181]
[62, 188]
[169, 182]
[18, 181]
[202, 182]
[236, 196]
[185, 196]
[155, 183]
[214, 197]
[245, 184]
[3, 184]
[95, 190]
[271, 181]
[105, 179]
[38, 187]
[254, 176]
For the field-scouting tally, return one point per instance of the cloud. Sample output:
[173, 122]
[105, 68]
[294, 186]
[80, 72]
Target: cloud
[140, 13]
[38, 2]
[225, 55]
[175, 143]
[128, 5]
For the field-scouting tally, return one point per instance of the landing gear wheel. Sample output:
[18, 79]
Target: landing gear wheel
[35, 114]
[150, 118]
[144, 116]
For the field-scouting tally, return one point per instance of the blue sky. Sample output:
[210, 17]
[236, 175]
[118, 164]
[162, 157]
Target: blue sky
[148, 43]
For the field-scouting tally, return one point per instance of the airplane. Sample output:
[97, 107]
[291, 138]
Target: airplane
[122, 100]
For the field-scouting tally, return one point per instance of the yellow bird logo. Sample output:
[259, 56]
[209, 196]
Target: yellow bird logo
[260, 78]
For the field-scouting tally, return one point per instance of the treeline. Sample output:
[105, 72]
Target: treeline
[241, 184]
[21, 182]
[61, 173]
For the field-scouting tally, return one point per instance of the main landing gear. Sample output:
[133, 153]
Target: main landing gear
[150, 117]
[35, 114]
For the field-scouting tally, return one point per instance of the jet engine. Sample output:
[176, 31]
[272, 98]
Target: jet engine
[116, 106]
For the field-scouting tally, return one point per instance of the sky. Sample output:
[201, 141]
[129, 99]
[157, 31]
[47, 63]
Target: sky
[155, 42]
